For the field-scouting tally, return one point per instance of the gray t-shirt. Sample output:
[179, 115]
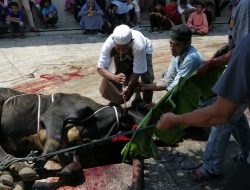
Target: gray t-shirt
[241, 17]
[234, 84]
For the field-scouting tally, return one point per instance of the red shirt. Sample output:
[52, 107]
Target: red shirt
[172, 13]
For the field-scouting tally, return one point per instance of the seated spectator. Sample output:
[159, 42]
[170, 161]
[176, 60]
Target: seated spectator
[3, 14]
[14, 20]
[185, 9]
[36, 12]
[49, 13]
[110, 19]
[157, 17]
[209, 12]
[69, 5]
[37, 3]
[173, 16]
[26, 5]
[91, 17]
[102, 4]
[123, 8]
[134, 13]
[197, 21]
[78, 6]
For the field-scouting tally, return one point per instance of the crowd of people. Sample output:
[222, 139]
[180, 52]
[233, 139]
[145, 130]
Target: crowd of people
[103, 16]
[224, 112]
[131, 53]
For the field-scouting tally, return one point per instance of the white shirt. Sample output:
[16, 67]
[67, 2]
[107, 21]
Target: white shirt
[181, 10]
[122, 7]
[140, 47]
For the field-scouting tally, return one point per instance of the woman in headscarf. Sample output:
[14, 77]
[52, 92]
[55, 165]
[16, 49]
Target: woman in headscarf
[91, 17]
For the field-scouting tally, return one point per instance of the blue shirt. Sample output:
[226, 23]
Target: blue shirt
[46, 11]
[18, 15]
[241, 18]
[234, 84]
[181, 66]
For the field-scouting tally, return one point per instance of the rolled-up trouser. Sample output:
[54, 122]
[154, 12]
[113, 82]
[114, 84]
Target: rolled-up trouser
[148, 78]
[111, 91]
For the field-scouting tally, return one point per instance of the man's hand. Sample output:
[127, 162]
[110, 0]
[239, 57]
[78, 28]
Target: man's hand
[120, 78]
[127, 93]
[167, 121]
[140, 87]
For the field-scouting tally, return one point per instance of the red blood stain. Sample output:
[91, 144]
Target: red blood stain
[74, 75]
[45, 81]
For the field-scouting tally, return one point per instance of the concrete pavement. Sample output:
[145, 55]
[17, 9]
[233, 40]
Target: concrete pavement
[65, 61]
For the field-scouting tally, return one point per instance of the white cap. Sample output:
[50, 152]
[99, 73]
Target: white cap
[122, 34]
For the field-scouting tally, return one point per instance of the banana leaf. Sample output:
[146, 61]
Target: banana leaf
[183, 98]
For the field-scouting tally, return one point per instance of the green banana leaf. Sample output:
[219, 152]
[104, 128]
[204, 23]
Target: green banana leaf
[183, 98]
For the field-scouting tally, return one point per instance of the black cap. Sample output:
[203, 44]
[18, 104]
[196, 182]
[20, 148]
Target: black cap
[181, 33]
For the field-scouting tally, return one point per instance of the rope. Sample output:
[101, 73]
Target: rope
[94, 113]
[31, 158]
[38, 114]
[38, 109]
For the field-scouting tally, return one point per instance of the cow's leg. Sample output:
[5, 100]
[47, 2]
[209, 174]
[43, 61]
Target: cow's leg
[72, 174]
[24, 171]
[54, 124]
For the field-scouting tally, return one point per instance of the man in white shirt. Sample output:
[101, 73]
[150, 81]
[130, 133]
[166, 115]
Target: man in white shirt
[129, 53]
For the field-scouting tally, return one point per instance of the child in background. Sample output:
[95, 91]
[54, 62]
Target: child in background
[135, 13]
[14, 20]
[78, 6]
[185, 9]
[69, 5]
[209, 12]
[3, 14]
[157, 17]
[49, 13]
[110, 19]
[173, 16]
[197, 21]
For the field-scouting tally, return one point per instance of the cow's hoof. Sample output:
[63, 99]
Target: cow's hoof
[72, 174]
[6, 181]
[19, 186]
[28, 174]
[24, 171]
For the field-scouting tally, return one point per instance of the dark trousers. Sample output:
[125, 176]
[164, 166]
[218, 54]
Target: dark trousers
[15, 27]
[148, 78]
[53, 20]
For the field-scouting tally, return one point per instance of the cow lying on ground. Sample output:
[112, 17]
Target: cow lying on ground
[26, 114]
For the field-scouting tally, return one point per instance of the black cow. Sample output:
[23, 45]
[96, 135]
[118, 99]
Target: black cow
[26, 114]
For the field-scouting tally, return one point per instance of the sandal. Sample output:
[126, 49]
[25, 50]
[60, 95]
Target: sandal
[200, 175]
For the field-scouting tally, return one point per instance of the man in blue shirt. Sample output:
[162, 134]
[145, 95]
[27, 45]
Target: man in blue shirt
[186, 59]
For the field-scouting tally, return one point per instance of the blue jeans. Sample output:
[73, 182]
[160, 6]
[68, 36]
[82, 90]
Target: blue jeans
[219, 139]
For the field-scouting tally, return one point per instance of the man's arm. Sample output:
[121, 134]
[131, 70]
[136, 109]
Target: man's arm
[215, 62]
[218, 113]
[152, 87]
[12, 19]
[130, 88]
